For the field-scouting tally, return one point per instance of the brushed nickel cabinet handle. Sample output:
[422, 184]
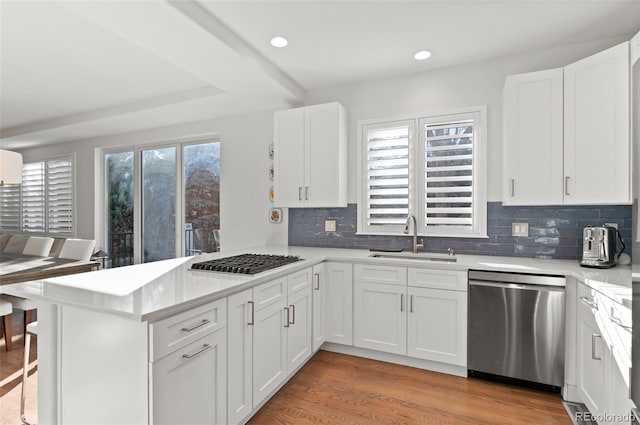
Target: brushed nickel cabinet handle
[411, 304]
[317, 278]
[401, 302]
[253, 314]
[293, 314]
[196, 326]
[306, 193]
[299, 193]
[566, 185]
[204, 348]
[590, 303]
[286, 322]
[593, 346]
[513, 187]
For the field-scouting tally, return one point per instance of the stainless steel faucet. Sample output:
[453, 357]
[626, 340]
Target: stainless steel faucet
[416, 245]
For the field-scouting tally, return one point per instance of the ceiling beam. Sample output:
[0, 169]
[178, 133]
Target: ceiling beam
[221, 31]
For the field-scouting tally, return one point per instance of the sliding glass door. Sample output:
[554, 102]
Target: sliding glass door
[162, 202]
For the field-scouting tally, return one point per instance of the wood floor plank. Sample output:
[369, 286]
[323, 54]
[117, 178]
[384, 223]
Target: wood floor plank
[339, 389]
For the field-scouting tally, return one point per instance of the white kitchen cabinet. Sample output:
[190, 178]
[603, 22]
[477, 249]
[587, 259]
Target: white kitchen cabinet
[437, 325]
[592, 352]
[318, 296]
[596, 129]
[533, 105]
[380, 320]
[310, 156]
[339, 303]
[190, 385]
[240, 320]
[269, 349]
[299, 330]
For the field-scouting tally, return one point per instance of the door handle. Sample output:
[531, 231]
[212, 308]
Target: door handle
[306, 193]
[593, 346]
[253, 315]
[286, 322]
[204, 348]
[299, 193]
[513, 187]
[590, 303]
[566, 185]
[317, 277]
[196, 326]
[401, 302]
[411, 304]
[293, 314]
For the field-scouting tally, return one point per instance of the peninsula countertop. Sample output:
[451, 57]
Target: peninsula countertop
[152, 291]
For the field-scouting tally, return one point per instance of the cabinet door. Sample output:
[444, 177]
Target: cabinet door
[318, 295]
[339, 303]
[380, 318]
[533, 138]
[325, 156]
[299, 330]
[240, 316]
[288, 136]
[596, 131]
[269, 350]
[592, 353]
[437, 325]
[189, 386]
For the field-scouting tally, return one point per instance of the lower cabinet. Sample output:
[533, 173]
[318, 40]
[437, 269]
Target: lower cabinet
[189, 385]
[418, 321]
[319, 292]
[604, 359]
[282, 331]
[437, 325]
[240, 321]
[338, 299]
[380, 321]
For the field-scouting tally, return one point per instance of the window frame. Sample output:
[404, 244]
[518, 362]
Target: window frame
[417, 174]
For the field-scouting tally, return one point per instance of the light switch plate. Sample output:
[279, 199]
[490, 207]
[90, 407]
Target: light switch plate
[329, 225]
[519, 229]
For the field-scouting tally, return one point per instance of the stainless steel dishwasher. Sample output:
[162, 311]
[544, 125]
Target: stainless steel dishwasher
[516, 328]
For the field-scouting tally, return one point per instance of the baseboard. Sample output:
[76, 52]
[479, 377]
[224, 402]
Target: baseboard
[396, 359]
[577, 412]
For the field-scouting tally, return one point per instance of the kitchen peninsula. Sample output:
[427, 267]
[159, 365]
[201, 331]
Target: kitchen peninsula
[171, 341]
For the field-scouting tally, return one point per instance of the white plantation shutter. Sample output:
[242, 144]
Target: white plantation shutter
[33, 197]
[10, 208]
[387, 187]
[60, 195]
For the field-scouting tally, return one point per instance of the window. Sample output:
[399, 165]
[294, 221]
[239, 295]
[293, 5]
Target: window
[432, 167]
[161, 201]
[44, 201]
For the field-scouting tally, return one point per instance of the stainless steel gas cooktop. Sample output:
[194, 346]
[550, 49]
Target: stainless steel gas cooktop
[245, 263]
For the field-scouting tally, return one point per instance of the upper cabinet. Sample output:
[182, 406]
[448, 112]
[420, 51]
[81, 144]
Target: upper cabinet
[596, 129]
[310, 148]
[567, 133]
[533, 129]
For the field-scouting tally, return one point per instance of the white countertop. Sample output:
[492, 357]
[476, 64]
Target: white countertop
[152, 291]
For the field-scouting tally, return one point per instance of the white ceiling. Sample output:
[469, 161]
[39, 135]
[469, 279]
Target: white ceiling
[77, 70]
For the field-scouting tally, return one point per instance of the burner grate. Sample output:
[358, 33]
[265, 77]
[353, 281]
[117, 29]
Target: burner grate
[246, 263]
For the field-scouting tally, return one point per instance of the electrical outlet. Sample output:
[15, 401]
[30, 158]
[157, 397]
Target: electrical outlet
[611, 225]
[519, 229]
[329, 225]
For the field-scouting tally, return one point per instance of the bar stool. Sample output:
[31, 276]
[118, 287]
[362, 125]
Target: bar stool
[5, 315]
[32, 329]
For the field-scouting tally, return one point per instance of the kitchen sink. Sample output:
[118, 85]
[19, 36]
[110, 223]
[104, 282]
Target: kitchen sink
[420, 256]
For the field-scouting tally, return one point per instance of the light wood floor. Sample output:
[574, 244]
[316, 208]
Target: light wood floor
[11, 377]
[338, 389]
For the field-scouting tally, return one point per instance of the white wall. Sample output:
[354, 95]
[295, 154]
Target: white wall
[244, 176]
[446, 89]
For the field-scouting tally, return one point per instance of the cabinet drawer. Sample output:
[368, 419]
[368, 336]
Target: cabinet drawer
[438, 279]
[298, 281]
[270, 292]
[170, 334]
[389, 275]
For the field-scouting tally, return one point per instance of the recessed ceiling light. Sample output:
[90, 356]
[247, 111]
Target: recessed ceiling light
[279, 41]
[422, 55]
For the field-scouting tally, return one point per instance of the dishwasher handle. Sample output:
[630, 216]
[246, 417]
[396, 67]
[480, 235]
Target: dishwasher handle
[530, 287]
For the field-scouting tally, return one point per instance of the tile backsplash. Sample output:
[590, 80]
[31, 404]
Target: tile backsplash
[554, 232]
